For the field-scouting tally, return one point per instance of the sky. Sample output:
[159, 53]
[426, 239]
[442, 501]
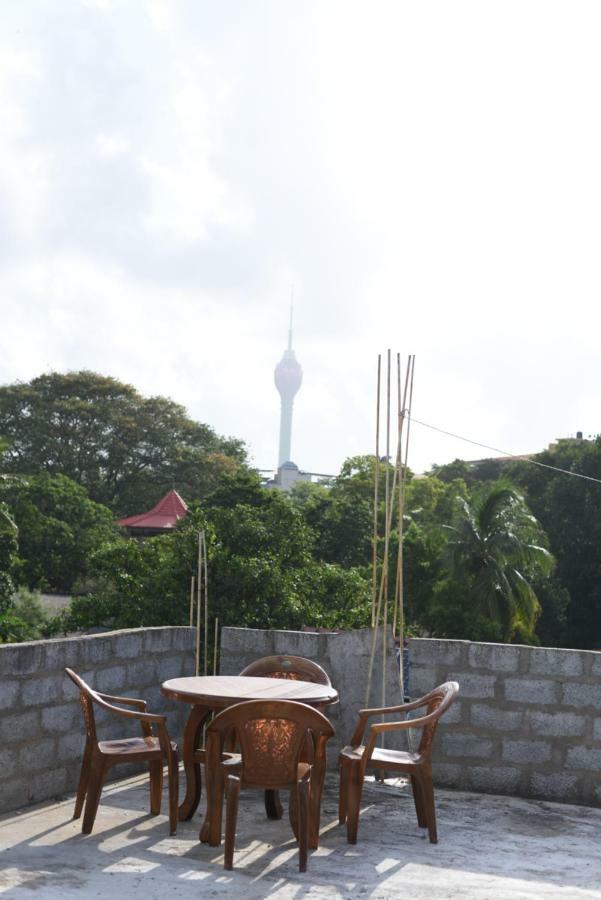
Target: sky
[424, 176]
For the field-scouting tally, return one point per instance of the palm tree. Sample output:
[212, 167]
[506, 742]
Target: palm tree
[496, 552]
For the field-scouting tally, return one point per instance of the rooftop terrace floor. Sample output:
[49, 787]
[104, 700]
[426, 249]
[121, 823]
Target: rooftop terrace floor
[490, 847]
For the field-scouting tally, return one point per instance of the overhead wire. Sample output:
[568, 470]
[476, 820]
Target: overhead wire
[505, 453]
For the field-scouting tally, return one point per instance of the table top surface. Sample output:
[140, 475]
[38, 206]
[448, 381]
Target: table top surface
[214, 690]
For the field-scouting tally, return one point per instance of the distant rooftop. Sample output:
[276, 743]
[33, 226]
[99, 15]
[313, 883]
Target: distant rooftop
[162, 517]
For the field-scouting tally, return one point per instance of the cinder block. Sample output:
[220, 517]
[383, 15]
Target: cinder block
[46, 785]
[60, 718]
[61, 653]
[128, 645]
[467, 745]
[19, 727]
[496, 779]
[582, 757]
[436, 652]
[554, 786]
[476, 686]
[247, 641]
[297, 643]
[496, 657]
[558, 724]
[449, 774]
[453, 715]
[96, 649]
[595, 663]
[8, 762]
[31, 754]
[525, 690]
[526, 752]
[141, 672]
[169, 667]
[35, 691]
[184, 638]
[490, 716]
[9, 693]
[70, 747]
[553, 662]
[112, 680]
[21, 659]
[13, 794]
[422, 680]
[576, 694]
[157, 640]
[597, 729]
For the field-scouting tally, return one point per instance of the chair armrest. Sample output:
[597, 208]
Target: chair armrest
[382, 727]
[365, 714]
[124, 701]
[128, 713]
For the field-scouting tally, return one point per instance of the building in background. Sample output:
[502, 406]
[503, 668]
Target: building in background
[288, 377]
[161, 519]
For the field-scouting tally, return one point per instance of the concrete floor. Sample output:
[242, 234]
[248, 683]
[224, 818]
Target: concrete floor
[490, 847]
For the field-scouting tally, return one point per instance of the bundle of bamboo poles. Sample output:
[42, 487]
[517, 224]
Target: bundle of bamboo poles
[394, 504]
[199, 591]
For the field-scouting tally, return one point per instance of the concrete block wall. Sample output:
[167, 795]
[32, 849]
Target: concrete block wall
[41, 726]
[527, 721]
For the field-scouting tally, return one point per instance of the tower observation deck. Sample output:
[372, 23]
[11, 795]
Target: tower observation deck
[288, 377]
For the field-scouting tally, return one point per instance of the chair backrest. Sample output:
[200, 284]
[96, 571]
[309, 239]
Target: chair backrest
[271, 734]
[437, 702]
[87, 698]
[296, 668]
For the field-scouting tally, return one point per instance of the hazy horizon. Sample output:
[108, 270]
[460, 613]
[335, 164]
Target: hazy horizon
[424, 176]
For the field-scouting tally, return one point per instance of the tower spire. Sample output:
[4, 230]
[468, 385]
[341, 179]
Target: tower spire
[291, 314]
[288, 377]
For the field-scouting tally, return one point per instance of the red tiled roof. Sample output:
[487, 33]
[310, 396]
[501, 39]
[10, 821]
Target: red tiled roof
[164, 515]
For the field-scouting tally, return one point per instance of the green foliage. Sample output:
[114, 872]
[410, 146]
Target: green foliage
[124, 449]
[59, 528]
[568, 509]
[261, 573]
[27, 620]
[8, 557]
[496, 553]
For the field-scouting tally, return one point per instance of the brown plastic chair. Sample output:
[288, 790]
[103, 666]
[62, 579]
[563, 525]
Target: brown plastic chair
[99, 756]
[356, 758]
[295, 668]
[272, 736]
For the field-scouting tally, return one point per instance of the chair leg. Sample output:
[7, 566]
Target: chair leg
[273, 805]
[303, 824]
[96, 780]
[353, 802]
[427, 789]
[173, 776]
[156, 785]
[342, 794]
[418, 800]
[84, 778]
[233, 793]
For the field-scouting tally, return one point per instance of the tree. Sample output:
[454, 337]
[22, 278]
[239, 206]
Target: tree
[124, 449]
[59, 528]
[8, 557]
[496, 552]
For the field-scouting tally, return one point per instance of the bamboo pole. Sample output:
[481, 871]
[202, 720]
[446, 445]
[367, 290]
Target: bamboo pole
[374, 556]
[198, 603]
[215, 646]
[387, 532]
[206, 600]
[192, 601]
[396, 483]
